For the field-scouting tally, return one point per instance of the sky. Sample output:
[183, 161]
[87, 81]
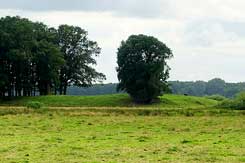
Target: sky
[207, 37]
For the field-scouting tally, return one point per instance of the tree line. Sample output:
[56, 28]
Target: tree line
[193, 88]
[35, 58]
[212, 87]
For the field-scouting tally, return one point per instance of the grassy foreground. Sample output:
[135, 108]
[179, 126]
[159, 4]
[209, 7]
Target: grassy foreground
[113, 129]
[78, 138]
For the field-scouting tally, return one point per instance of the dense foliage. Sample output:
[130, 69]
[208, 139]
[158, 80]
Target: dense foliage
[29, 57]
[33, 58]
[213, 87]
[142, 68]
[78, 53]
[236, 103]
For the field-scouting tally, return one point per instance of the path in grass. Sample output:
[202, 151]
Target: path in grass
[56, 137]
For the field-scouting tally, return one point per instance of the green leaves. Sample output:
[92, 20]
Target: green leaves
[78, 52]
[29, 57]
[34, 57]
[142, 68]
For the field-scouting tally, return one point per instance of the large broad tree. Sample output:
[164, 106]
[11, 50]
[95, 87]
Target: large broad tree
[78, 53]
[142, 67]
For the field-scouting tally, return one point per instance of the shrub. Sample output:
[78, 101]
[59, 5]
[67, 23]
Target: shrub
[34, 105]
[237, 103]
[240, 101]
[228, 103]
[216, 97]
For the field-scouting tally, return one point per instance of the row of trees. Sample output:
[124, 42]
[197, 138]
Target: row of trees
[35, 58]
[202, 88]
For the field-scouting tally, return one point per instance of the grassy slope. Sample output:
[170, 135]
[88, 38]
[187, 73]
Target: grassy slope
[117, 100]
[119, 104]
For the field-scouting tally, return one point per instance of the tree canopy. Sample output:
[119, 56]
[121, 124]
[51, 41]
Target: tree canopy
[78, 52]
[142, 67]
[202, 88]
[34, 58]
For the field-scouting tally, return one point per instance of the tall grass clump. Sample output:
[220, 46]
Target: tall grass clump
[34, 105]
[216, 97]
[237, 103]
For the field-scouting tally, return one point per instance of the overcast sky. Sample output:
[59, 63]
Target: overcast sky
[207, 37]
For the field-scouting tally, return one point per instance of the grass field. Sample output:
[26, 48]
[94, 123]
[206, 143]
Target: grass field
[90, 129]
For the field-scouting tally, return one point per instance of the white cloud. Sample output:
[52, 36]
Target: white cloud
[207, 37]
[232, 10]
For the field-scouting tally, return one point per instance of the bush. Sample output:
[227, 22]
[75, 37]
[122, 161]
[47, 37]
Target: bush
[237, 103]
[34, 105]
[216, 97]
[240, 101]
[228, 103]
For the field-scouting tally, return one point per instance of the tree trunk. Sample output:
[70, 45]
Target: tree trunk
[9, 91]
[55, 90]
[24, 92]
[19, 92]
[65, 89]
[48, 89]
[61, 89]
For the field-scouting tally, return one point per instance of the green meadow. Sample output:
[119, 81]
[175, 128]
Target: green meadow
[111, 128]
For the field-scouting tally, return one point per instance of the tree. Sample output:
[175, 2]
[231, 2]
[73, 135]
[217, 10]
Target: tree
[48, 61]
[16, 44]
[215, 86]
[29, 57]
[34, 58]
[78, 52]
[142, 68]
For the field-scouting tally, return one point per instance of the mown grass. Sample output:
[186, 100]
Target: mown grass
[55, 137]
[113, 129]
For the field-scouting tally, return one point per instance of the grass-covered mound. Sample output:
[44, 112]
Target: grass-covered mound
[119, 104]
[116, 100]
